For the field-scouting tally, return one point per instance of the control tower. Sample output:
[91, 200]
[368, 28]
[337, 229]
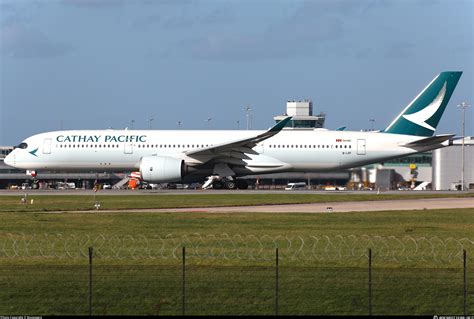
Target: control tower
[302, 113]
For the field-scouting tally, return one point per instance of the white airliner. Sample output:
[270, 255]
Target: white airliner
[171, 156]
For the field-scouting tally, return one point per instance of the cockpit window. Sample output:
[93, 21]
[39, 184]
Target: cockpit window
[22, 145]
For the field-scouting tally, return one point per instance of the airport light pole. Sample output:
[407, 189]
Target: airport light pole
[133, 121]
[248, 115]
[209, 121]
[179, 124]
[463, 107]
[372, 124]
[149, 122]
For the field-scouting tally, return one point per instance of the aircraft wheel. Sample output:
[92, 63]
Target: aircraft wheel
[230, 185]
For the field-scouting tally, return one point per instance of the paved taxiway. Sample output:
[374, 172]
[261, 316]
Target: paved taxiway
[339, 207]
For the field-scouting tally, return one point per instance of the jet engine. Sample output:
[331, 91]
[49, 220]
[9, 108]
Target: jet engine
[162, 169]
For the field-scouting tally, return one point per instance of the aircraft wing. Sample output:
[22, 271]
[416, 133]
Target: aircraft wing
[238, 148]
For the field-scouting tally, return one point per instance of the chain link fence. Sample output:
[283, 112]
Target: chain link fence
[57, 274]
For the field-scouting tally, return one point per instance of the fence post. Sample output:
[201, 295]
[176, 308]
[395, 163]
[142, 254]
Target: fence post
[465, 281]
[370, 282]
[184, 282]
[90, 281]
[276, 284]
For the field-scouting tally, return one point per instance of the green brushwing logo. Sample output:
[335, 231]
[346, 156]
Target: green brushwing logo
[33, 152]
[421, 117]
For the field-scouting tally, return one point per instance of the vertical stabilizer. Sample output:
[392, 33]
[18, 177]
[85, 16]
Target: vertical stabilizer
[422, 115]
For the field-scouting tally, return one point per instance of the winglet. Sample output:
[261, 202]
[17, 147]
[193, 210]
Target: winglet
[280, 125]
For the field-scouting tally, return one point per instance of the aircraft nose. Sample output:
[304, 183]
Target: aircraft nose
[9, 159]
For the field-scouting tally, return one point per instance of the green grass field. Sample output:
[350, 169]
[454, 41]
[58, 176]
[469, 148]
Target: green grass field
[84, 202]
[230, 259]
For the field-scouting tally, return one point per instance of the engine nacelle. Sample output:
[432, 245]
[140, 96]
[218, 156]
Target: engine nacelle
[162, 169]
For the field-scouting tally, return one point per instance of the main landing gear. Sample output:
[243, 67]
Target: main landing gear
[217, 182]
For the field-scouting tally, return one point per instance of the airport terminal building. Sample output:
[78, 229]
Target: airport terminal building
[447, 166]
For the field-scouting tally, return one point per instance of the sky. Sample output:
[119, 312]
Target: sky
[169, 64]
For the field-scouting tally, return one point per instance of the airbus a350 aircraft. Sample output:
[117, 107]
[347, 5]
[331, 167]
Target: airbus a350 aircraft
[171, 156]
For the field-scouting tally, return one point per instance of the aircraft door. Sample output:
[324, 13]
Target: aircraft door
[361, 147]
[47, 146]
[128, 148]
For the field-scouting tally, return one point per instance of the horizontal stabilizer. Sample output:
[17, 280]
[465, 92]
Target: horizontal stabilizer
[432, 140]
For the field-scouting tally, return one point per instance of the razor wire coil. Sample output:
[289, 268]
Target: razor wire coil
[229, 247]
